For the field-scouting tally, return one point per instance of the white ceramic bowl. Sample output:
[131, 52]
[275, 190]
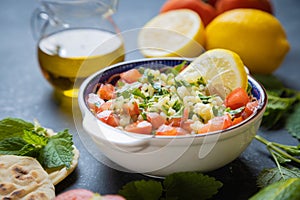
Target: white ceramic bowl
[162, 155]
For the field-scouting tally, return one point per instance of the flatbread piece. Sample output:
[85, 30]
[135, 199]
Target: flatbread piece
[23, 178]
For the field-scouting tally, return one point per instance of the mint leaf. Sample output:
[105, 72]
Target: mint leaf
[277, 107]
[190, 185]
[282, 190]
[273, 175]
[12, 127]
[12, 146]
[142, 190]
[293, 122]
[58, 152]
[31, 137]
[17, 146]
[281, 101]
[177, 186]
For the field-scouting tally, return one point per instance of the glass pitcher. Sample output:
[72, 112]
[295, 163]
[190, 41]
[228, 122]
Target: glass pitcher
[75, 39]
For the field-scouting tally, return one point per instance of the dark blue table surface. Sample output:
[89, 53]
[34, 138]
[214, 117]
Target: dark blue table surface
[25, 94]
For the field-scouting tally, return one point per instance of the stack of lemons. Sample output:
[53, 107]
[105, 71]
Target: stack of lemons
[256, 36]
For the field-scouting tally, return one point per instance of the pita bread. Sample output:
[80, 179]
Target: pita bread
[57, 175]
[23, 178]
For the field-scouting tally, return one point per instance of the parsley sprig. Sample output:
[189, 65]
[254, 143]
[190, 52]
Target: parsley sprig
[18, 137]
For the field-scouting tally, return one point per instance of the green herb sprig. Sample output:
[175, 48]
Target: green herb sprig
[280, 152]
[179, 186]
[283, 102]
[18, 137]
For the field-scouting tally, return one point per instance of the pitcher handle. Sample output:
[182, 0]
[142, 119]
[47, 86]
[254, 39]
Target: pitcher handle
[39, 21]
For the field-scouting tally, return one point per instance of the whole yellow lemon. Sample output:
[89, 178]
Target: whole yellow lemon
[256, 36]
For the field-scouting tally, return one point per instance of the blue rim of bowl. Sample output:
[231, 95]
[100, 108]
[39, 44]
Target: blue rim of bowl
[88, 86]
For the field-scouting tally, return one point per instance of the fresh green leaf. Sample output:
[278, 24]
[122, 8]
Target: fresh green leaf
[180, 67]
[270, 176]
[144, 115]
[138, 92]
[13, 127]
[282, 159]
[18, 137]
[293, 122]
[142, 190]
[126, 91]
[177, 105]
[31, 137]
[236, 111]
[190, 185]
[205, 99]
[201, 81]
[277, 107]
[177, 186]
[282, 190]
[281, 101]
[12, 146]
[58, 152]
[17, 146]
[150, 78]
[249, 89]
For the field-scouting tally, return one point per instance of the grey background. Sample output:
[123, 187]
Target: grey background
[24, 93]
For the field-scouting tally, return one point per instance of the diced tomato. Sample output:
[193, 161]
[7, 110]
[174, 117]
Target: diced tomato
[106, 91]
[237, 120]
[108, 117]
[186, 125]
[103, 116]
[204, 129]
[237, 98]
[113, 120]
[105, 106]
[181, 131]
[174, 121]
[131, 76]
[216, 124]
[185, 114]
[249, 109]
[166, 130]
[155, 119]
[131, 108]
[142, 127]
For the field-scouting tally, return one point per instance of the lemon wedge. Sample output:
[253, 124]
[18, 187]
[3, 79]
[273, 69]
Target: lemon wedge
[222, 70]
[173, 33]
